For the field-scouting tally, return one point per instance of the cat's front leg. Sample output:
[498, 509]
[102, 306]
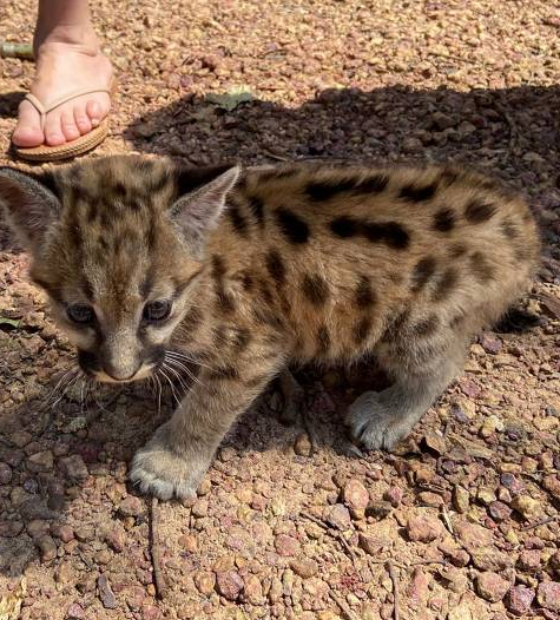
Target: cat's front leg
[176, 458]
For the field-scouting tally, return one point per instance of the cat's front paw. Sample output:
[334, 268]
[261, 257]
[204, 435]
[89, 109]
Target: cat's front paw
[158, 470]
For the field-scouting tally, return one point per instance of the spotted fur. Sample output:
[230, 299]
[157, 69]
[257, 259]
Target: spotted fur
[268, 266]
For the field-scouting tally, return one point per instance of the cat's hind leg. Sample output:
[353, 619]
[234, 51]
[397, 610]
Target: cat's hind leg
[422, 367]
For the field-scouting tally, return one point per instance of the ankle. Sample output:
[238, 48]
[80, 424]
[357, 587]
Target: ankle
[82, 39]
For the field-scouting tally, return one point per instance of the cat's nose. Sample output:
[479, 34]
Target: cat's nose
[119, 374]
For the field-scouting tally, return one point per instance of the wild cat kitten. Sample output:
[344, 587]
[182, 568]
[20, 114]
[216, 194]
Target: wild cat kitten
[247, 270]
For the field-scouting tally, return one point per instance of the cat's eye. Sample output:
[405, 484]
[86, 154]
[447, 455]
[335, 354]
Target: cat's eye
[156, 311]
[80, 313]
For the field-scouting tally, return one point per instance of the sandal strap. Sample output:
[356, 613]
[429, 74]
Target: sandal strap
[45, 109]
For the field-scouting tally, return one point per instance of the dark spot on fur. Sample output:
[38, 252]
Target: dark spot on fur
[92, 212]
[325, 190]
[225, 301]
[159, 183]
[458, 250]
[323, 340]
[449, 176]
[345, 227]
[256, 206]
[391, 233]
[395, 326]
[218, 267]
[247, 281]
[418, 193]
[444, 220]
[275, 266]
[242, 339]
[509, 230]
[446, 284]
[481, 268]
[238, 221]
[423, 272]
[315, 289]
[281, 172]
[365, 297]
[426, 327]
[373, 184]
[362, 331]
[456, 321]
[292, 226]
[120, 190]
[478, 211]
[151, 233]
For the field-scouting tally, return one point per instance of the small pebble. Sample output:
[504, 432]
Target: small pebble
[519, 599]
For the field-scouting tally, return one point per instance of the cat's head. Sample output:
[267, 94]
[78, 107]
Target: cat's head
[118, 245]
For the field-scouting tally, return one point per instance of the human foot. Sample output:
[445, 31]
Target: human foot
[64, 68]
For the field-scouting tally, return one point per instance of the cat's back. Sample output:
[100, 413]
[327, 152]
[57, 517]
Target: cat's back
[344, 243]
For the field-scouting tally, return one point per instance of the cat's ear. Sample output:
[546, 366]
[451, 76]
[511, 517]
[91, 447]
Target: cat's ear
[202, 199]
[30, 203]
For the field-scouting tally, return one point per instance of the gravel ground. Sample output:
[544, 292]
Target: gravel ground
[462, 523]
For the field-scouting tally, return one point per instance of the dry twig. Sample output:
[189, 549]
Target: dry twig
[539, 523]
[335, 534]
[344, 607]
[395, 580]
[161, 586]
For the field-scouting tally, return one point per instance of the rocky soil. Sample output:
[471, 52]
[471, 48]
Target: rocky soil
[463, 521]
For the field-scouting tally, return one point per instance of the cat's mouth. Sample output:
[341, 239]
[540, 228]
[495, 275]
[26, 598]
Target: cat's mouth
[142, 373]
[92, 366]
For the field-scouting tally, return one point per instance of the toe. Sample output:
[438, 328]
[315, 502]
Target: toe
[97, 109]
[81, 118]
[94, 112]
[54, 135]
[68, 125]
[28, 131]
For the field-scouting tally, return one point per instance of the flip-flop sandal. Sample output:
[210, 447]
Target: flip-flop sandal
[74, 148]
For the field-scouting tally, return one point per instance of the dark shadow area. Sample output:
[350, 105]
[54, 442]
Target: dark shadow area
[506, 131]
[512, 133]
[9, 103]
